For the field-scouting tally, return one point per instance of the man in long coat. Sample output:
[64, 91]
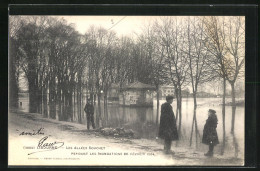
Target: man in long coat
[89, 109]
[168, 129]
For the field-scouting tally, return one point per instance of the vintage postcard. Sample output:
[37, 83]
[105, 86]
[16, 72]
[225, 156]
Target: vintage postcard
[126, 90]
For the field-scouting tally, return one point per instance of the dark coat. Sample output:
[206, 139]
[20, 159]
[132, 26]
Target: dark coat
[89, 109]
[168, 128]
[209, 132]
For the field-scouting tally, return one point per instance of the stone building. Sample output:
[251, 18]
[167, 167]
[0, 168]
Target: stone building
[165, 90]
[137, 94]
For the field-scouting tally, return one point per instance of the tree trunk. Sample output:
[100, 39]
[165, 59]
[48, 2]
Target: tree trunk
[158, 105]
[63, 106]
[59, 98]
[74, 102]
[233, 107]
[223, 115]
[224, 134]
[177, 103]
[40, 100]
[99, 110]
[233, 93]
[193, 120]
[196, 127]
[32, 98]
[105, 109]
[44, 99]
[233, 119]
[80, 98]
[13, 77]
[78, 101]
[180, 112]
[52, 99]
[70, 106]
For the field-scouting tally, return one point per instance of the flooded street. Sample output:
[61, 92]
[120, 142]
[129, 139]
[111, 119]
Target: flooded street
[142, 120]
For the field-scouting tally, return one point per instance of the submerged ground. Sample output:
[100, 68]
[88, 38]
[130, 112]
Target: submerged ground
[80, 146]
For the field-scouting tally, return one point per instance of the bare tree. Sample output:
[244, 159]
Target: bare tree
[198, 56]
[216, 45]
[100, 44]
[235, 44]
[172, 36]
[155, 53]
[123, 53]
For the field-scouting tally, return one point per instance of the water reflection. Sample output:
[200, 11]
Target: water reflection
[235, 144]
[233, 119]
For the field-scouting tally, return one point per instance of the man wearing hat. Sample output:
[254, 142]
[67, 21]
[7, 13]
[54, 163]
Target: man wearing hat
[168, 128]
[89, 109]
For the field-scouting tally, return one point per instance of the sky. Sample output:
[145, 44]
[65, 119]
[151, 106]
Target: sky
[122, 25]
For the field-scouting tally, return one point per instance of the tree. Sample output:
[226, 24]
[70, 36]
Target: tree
[14, 65]
[155, 54]
[100, 41]
[235, 44]
[216, 41]
[198, 56]
[108, 69]
[172, 38]
[30, 39]
[13, 73]
[123, 65]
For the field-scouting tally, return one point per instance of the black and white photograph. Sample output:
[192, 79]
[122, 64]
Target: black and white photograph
[126, 90]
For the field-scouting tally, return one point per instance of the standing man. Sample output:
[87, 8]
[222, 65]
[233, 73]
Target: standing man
[168, 128]
[89, 109]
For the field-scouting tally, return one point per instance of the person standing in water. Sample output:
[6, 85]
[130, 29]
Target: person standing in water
[168, 128]
[210, 136]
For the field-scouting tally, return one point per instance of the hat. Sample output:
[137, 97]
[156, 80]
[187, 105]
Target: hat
[212, 111]
[169, 97]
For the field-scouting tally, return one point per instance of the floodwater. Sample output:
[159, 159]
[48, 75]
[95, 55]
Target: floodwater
[143, 122]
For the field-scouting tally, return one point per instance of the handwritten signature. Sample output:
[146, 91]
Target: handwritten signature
[43, 145]
[33, 132]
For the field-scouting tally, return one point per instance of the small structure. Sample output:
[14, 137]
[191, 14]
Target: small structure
[137, 94]
[165, 90]
[113, 92]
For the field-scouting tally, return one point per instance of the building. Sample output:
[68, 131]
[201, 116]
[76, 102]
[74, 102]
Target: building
[165, 90]
[137, 94]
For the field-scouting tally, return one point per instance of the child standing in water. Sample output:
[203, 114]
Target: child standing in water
[210, 136]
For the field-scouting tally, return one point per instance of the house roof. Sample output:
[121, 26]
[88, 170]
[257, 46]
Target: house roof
[138, 85]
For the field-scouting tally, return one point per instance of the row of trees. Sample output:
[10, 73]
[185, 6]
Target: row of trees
[61, 63]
